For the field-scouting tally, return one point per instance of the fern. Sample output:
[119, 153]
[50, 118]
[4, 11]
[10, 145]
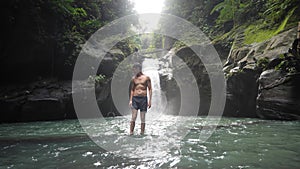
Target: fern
[284, 22]
[226, 11]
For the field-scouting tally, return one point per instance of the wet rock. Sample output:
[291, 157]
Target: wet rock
[171, 90]
[10, 110]
[37, 109]
[69, 106]
[173, 68]
[110, 62]
[104, 100]
[45, 100]
[274, 62]
[279, 96]
[273, 99]
[84, 91]
[241, 94]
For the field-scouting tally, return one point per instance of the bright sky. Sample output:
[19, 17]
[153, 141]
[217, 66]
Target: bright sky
[148, 6]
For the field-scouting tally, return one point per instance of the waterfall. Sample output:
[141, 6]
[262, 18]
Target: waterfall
[150, 68]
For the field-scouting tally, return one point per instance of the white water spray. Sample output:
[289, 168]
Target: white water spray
[150, 68]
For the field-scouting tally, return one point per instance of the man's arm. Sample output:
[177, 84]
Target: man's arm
[131, 92]
[150, 92]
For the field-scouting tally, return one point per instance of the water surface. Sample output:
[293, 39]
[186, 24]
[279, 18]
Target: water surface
[236, 143]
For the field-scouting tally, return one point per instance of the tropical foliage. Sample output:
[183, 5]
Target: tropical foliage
[54, 30]
[261, 19]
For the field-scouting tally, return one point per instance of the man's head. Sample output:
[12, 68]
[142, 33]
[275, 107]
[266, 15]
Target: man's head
[137, 68]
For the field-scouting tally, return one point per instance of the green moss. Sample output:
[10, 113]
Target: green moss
[255, 34]
[259, 32]
[281, 56]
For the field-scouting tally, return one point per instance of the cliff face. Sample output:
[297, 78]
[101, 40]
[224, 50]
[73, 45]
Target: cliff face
[51, 98]
[279, 95]
[262, 78]
[178, 61]
[254, 37]
[39, 45]
[266, 78]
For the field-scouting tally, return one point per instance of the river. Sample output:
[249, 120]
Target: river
[236, 143]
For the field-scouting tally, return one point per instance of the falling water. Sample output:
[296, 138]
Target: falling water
[150, 68]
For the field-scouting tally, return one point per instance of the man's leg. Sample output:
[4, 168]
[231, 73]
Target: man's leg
[143, 117]
[132, 122]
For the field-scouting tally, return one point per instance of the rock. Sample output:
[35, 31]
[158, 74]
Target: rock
[171, 90]
[271, 49]
[46, 100]
[110, 62]
[195, 64]
[104, 100]
[228, 68]
[223, 49]
[173, 68]
[69, 106]
[274, 100]
[279, 96]
[10, 110]
[274, 62]
[103, 92]
[37, 109]
[241, 94]
[238, 54]
[235, 70]
[11, 101]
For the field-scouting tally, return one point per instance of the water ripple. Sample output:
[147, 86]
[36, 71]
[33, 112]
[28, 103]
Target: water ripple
[236, 143]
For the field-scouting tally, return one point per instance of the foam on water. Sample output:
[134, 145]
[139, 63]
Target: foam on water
[236, 143]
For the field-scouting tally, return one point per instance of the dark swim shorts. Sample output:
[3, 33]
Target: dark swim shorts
[140, 102]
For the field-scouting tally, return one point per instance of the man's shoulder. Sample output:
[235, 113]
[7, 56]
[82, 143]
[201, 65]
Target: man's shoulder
[147, 77]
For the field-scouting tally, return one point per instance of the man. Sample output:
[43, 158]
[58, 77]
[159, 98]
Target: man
[138, 96]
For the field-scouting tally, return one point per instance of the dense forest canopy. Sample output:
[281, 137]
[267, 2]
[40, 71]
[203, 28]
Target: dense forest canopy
[50, 33]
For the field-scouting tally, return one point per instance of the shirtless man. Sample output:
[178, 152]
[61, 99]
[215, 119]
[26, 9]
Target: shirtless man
[138, 96]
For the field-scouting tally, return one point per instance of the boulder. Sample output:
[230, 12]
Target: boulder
[270, 95]
[241, 94]
[173, 68]
[47, 99]
[271, 49]
[279, 96]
